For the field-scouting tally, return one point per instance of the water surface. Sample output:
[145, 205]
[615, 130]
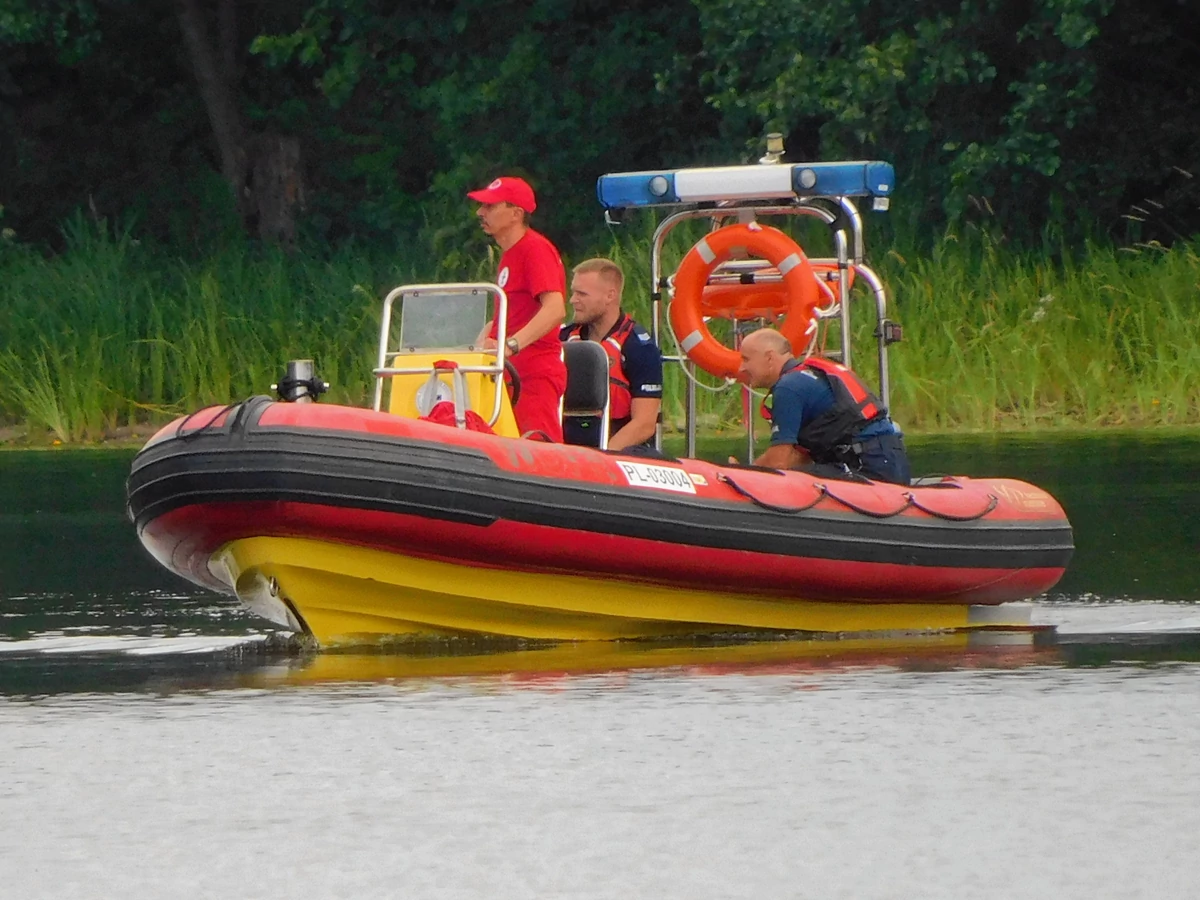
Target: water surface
[157, 742]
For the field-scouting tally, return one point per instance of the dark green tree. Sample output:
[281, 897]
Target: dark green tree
[1035, 112]
[426, 102]
[1048, 118]
[113, 102]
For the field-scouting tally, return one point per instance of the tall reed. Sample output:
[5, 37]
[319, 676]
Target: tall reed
[1110, 338]
[112, 333]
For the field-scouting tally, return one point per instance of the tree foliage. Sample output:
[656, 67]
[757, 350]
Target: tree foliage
[1054, 117]
[69, 27]
[424, 103]
[1029, 109]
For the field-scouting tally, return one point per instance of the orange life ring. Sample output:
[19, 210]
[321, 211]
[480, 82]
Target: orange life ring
[744, 301]
[765, 299]
[799, 286]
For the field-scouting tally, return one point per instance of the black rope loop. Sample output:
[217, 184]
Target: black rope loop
[993, 502]
[854, 507]
[790, 510]
[182, 435]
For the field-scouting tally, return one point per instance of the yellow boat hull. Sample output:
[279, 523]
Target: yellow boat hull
[346, 595]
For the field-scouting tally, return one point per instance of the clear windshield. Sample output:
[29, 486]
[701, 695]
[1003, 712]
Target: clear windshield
[442, 321]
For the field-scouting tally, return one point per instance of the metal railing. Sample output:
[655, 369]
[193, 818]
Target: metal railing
[847, 226]
[432, 291]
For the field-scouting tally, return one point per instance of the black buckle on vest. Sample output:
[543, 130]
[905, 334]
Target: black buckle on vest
[849, 455]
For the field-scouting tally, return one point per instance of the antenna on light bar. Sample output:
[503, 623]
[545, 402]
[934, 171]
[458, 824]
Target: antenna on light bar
[774, 149]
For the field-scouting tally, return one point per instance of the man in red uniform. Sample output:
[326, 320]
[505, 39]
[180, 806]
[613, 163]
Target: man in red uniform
[532, 275]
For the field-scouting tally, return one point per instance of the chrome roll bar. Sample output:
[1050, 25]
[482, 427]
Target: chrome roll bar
[847, 226]
[427, 291]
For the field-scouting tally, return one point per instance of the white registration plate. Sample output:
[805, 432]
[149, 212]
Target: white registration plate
[664, 478]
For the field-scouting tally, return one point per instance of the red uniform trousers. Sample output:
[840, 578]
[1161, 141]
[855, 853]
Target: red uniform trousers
[538, 406]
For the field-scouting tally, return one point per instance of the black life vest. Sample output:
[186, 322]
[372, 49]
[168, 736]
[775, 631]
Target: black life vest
[620, 398]
[828, 436]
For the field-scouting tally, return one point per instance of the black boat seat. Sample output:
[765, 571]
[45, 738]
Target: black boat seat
[587, 383]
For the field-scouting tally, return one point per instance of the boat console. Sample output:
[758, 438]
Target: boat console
[433, 356]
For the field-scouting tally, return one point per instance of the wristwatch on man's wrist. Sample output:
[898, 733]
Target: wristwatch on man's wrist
[512, 345]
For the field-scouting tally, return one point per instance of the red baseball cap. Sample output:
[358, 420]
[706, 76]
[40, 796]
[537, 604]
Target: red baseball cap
[507, 190]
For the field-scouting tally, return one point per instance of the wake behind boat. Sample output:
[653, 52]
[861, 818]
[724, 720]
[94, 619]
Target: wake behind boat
[354, 525]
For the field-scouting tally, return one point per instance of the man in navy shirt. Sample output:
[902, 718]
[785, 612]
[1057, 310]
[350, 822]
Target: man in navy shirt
[820, 412]
[634, 361]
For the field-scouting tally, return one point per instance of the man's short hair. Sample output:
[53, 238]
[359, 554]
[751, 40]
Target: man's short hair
[606, 269]
[526, 215]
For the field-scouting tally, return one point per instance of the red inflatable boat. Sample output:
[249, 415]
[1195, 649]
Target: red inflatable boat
[349, 523]
[358, 524]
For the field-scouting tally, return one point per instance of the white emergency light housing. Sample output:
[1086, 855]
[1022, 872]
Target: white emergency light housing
[791, 181]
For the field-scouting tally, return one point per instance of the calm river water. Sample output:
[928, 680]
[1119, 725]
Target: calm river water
[157, 743]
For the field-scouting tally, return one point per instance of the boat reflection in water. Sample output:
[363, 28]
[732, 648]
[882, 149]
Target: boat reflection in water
[508, 665]
[104, 664]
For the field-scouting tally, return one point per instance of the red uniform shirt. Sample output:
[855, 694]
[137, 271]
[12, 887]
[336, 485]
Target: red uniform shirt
[530, 267]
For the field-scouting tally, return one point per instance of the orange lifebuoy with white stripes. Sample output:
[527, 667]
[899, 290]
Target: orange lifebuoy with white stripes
[767, 299]
[799, 287]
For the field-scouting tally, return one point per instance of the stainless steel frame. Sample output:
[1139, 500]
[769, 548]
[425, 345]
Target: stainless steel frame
[432, 291]
[849, 250]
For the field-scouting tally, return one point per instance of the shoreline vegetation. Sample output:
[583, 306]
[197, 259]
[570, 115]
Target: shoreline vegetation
[111, 338]
[714, 445]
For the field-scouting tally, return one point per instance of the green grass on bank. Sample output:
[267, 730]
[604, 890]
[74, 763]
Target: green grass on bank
[994, 343]
[112, 334]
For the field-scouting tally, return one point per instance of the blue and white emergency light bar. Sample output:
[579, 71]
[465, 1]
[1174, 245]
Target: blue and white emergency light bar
[778, 181]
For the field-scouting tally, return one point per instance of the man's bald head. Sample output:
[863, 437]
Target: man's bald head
[768, 339]
[764, 354]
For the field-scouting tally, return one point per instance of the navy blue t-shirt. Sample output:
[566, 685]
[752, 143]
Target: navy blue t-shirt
[641, 361]
[799, 396]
